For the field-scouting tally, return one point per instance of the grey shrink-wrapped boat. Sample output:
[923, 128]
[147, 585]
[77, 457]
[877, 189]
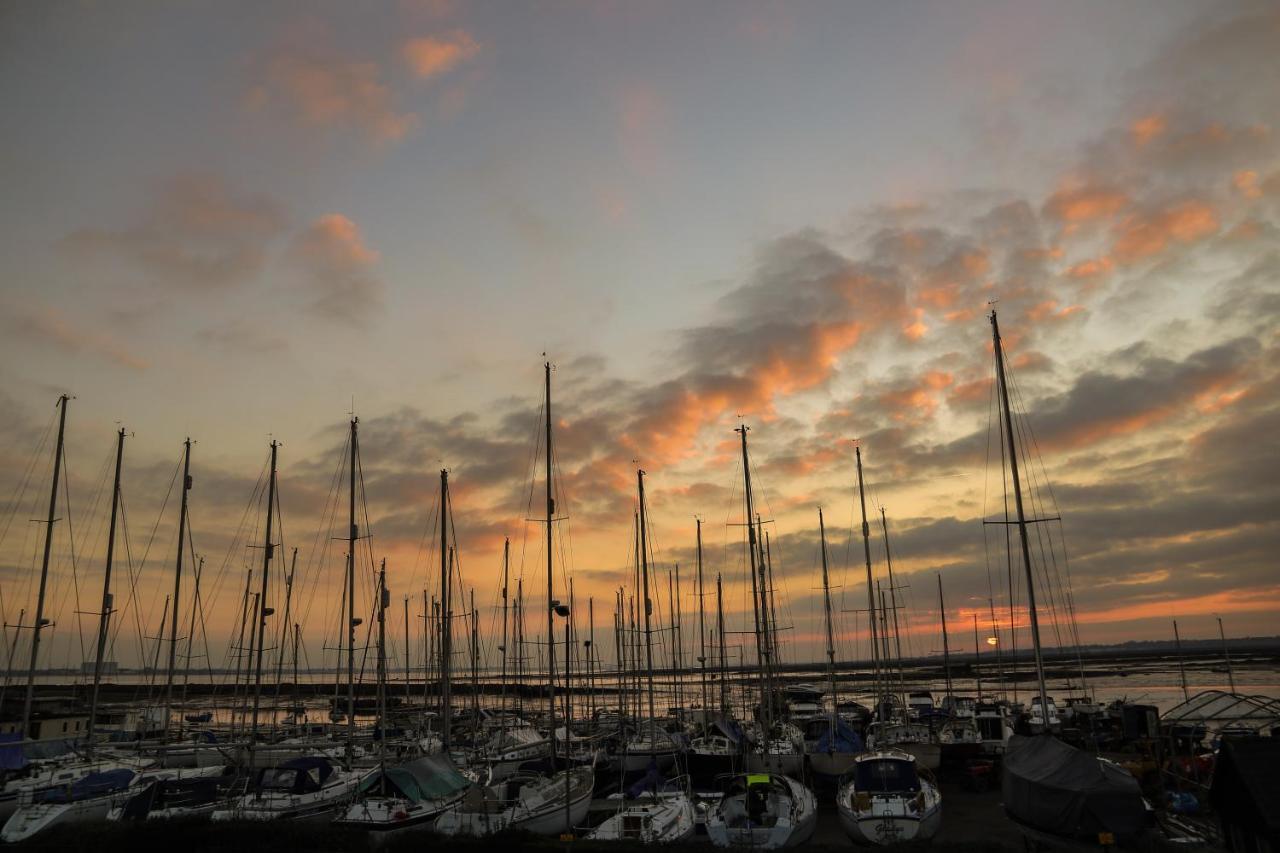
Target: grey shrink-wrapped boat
[1060, 791]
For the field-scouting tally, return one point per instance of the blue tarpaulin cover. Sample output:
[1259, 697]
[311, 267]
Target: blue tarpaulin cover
[11, 755]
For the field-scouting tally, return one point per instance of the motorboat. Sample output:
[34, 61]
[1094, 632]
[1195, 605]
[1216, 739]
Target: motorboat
[887, 799]
[763, 811]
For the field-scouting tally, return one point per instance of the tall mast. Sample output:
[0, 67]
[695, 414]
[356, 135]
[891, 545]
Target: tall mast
[244, 620]
[771, 623]
[675, 638]
[551, 638]
[702, 623]
[384, 598]
[591, 650]
[724, 688]
[268, 550]
[519, 614]
[893, 603]
[40, 622]
[946, 646]
[1226, 654]
[831, 637]
[104, 615]
[177, 582]
[679, 617]
[1182, 672]
[506, 566]
[475, 664]
[446, 616]
[408, 645]
[871, 593]
[353, 534]
[285, 627]
[977, 658]
[1022, 519]
[762, 589]
[648, 604]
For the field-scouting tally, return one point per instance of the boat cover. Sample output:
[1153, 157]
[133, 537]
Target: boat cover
[297, 775]
[843, 739]
[11, 755]
[89, 786]
[1062, 790]
[430, 777]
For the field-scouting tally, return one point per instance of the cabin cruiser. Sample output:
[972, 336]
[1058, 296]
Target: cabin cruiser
[888, 799]
[297, 789]
[915, 738]
[993, 726]
[1037, 717]
[763, 811]
[919, 704]
[530, 802]
[405, 796]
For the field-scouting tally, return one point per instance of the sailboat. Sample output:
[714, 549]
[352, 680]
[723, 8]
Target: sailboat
[837, 745]
[305, 786]
[397, 798]
[767, 808]
[958, 735]
[1058, 794]
[661, 814]
[533, 802]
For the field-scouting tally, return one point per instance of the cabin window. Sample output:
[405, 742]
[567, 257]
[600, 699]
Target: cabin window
[64, 725]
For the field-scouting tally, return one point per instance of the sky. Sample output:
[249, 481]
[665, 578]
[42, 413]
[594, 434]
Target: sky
[243, 222]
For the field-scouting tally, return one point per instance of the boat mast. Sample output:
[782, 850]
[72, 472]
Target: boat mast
[871, 593]
[384, 599]
[831, 637]
[177, 583]
[977, 658]
[408, 646]
[591, 650]
[946, 646]
[446, 616]
[1022, 519]
[353, 534]
[551, 601]
[506, 565]
[702, 622]
[268, 550]
[724, 688]
[648, 605]
[244, 619]
[893, 603]
[1226, 654]
[1182, 672]
[761, 589]
[285, 627]
[104, 615]
[678, 614]
[44, 569]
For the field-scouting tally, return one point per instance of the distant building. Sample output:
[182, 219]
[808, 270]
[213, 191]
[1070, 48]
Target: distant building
[1246, 796]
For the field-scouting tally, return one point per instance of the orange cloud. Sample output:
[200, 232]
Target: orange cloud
[326, 92]
[1143, 235]
[1091, 269]
[432, 56]
[1147, 128]
[45, 324]
[337, 266]
[1246, 183]
[1085, 203]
